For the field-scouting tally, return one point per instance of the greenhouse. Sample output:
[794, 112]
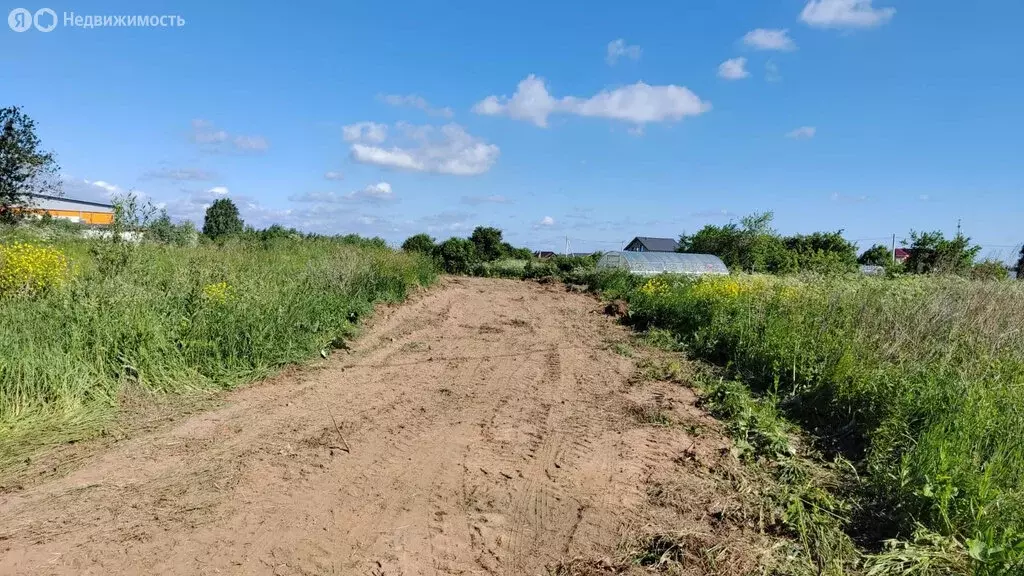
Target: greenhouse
[654, 263]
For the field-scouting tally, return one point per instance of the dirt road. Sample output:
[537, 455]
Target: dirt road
[489, 432]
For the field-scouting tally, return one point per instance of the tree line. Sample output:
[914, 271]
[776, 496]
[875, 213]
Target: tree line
[752, 245]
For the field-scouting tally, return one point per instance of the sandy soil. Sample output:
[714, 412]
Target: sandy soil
[491, 429]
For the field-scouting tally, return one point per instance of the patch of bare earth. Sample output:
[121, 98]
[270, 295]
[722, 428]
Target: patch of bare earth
[485, 428]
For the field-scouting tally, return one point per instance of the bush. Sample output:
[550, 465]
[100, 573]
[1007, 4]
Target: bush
[422, 243]
[222, 219]
[457, 255]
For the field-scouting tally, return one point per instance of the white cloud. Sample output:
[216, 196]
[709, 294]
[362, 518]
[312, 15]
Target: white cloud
[418, 102]
[369, 132]
[110, 188]
[212, 139]
[218, 190]
[204, 133]
[332, 175]
[547, 221]
[257, 143]
[802, 133]
[379, 192]
[733, 69]
[619, 49]
[769, 39]
[638, 103]
[445, 150]
[844, 14]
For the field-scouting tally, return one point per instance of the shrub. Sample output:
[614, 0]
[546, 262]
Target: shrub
[457, 255]
[222, 219]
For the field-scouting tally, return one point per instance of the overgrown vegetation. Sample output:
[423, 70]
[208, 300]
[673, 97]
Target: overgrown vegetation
[914, 380]
[169, 317]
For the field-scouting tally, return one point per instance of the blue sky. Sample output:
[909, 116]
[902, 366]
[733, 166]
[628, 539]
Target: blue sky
[594, 120]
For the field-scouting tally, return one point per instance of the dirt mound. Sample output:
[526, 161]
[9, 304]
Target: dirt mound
[617, 308]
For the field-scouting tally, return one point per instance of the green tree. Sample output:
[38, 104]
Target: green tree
[931, 252]
[488, 243]
[752, 246]
[1020, 265]
[823, 252]
[422, 243]
[25, 169]
[222, 219]
[457, 255]
[877, 255]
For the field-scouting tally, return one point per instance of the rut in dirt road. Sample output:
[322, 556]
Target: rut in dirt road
[488, 431]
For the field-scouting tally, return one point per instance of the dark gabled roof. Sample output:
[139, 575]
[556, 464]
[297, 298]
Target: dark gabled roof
[657, 244]
[72, 200]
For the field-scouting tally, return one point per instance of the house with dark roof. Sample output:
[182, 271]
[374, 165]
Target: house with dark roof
[902, 254]
[648, 244]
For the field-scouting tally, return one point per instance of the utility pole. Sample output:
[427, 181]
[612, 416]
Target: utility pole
[893, 248]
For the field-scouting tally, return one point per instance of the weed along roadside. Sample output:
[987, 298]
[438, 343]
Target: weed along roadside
[904, 390]
[86, 322]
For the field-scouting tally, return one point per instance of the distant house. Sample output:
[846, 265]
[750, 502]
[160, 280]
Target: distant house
[81, 211]
[646, 244]
[902, 254]
[544, 254]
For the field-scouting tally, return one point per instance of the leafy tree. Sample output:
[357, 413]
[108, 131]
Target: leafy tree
[163, 230]
[222, 219]
[824, 252]
[517, 253]
[931, 252]
[1020, 265]
[457, 255]
[422, 243]
[877, 255]
[752, 246]
[25, 169]
[488, 243]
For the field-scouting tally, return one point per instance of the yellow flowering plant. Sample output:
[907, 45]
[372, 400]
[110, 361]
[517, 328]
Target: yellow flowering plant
[220, 292]
[28, 270]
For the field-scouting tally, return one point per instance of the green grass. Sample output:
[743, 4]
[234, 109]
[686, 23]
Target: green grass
[918, 381]
[139, 318]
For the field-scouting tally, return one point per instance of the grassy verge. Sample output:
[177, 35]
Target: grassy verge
[917, 382]
[171, 320]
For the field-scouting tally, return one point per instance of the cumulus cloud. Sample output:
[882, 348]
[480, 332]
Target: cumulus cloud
[213, 139]
[619, 49]
[547, 221]
[332, 175]
[638, 103]
[418, 102]
[370, 132]
[769, 39]
[219, 190]
[802, 133]
[445, 150]
[733, 69]
[844, 14]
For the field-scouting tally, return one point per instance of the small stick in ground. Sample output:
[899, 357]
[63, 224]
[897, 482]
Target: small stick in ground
[335, 422]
